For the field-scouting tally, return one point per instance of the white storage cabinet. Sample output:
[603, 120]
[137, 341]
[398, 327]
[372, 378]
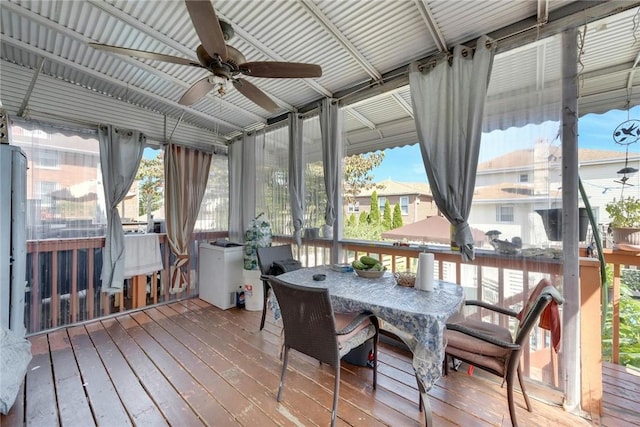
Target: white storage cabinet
[220, 274]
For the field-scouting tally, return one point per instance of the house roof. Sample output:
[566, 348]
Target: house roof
[525, 158]
[435, 229]
[50, 73]
[394, 188]
[503, 191]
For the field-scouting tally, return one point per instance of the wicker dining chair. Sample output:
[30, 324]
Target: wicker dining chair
[311, 327]
[266, 257]
[492, 348]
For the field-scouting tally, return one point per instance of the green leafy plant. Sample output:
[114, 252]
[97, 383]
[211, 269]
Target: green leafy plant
[624, 212]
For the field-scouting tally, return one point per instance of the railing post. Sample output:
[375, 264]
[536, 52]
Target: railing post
[615, 316]
[590, 337]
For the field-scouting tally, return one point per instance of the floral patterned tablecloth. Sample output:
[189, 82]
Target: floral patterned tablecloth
[419, 316]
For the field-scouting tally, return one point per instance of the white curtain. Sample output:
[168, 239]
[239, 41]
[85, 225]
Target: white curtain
[448, 103]
[331, 130]
[186, 172]
[120, 154]
[242, 185]
[296, 175]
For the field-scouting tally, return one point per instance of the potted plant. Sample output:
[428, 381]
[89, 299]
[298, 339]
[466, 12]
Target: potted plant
[625, 222]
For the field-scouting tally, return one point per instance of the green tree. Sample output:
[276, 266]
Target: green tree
[351, 221]
[374, 214]
[358, 176]
[150, 179]
[364, 218]
[386, 216]
[397, 217]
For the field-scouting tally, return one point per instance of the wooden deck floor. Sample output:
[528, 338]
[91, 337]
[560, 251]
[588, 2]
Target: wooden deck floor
[190, 363]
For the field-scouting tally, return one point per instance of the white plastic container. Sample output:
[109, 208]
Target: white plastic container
[253, 290]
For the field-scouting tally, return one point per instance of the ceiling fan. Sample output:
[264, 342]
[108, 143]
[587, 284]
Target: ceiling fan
[224, 62]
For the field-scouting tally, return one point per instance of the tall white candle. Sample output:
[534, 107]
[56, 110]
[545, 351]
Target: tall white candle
[428, 283]
[425, 273]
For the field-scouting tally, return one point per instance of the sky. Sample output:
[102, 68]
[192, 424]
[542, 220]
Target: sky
[595, 131]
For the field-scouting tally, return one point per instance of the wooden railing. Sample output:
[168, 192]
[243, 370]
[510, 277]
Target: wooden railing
[541, 362]
[618, 260]
[64, 288]
[63, 281]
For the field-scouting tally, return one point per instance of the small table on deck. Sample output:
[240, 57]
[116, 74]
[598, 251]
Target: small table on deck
[420, 317]
[141, 257]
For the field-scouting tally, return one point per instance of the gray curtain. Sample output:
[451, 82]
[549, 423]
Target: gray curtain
[448, 103]
[120, 154]
[296, 175]
[186, 173]
[331, 131]
[242, 185]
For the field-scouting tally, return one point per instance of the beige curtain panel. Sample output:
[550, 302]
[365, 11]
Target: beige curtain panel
[186, 172]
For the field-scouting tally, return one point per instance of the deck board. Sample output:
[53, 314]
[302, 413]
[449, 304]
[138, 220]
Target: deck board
[74, 408]
[188, 363]
[101, 393]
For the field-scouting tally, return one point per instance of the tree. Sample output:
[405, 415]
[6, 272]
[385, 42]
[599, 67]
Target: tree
[364, 218]
[358, 176]
[386, 216]
[351, 221]
[150, 179]
[374, 214]
[397, 217]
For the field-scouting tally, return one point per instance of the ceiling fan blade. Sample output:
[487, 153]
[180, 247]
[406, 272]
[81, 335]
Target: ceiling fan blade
[283, 70]
[252, 92]
[206, 23]
[196, 91]
[144, 54]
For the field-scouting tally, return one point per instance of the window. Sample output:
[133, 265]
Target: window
[272, 179]
[65, 198]
[214, 210]
[353, 207]
[404, 205]
[504, 214]
[47, 159]
[381, 202]
[524, 177]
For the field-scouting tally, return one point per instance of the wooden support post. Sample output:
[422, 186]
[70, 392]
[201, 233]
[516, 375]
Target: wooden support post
[590, 337]
[139, 291]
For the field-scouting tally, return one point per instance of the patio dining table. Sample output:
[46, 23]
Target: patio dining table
[417, 317]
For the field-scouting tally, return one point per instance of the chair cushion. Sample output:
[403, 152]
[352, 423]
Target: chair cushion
[353, 339]
[471, 344]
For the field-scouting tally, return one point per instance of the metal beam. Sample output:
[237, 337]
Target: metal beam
[54, 58]
[633, 71]
[340, 38]
[32, 84]
[359, 117]
[12, 7]
[512, 36]
[432, 25]
[143, 28]
[404, 104]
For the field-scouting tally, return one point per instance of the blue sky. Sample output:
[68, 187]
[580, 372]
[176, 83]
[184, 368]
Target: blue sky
[404, 164]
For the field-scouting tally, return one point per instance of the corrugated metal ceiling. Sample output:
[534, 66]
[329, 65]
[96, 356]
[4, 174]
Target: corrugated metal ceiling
[355, 42]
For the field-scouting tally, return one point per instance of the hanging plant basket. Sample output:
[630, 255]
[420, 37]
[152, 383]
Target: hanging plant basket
[552, 220]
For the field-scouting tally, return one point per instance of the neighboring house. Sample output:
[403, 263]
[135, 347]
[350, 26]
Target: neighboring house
[415, 200]
[65, 197]
[511, 187]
